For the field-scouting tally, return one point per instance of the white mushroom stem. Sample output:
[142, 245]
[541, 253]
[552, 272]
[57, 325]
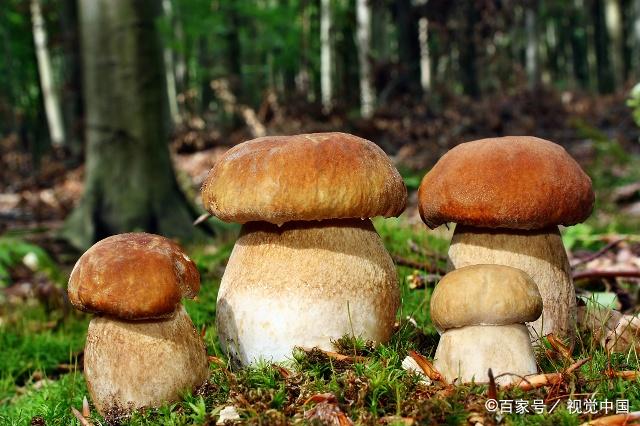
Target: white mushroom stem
[465, 354]
[305, 284]
[134, 364]
[540, 254]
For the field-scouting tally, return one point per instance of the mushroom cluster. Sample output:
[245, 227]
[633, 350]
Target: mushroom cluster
[142, 349]
[481, 310]
[508, 195]
[308, 266]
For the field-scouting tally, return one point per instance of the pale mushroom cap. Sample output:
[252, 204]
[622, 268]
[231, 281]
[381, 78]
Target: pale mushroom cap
[133, 276]
[516, 182]
[485, 295]
[134, 364]
[315, 176]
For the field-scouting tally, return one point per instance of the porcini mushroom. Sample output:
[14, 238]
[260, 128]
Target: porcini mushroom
[308, 266]
[481, 310]
[142, 349]
[508, 195]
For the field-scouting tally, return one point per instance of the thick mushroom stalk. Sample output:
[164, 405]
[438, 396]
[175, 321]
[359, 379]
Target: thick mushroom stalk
[305, 284]
[539, 253]
[466, 354]
[482, 310]
[135, 364]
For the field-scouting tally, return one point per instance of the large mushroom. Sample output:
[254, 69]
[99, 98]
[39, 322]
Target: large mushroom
[142, 349]
[481, 310]
[308, 266]
[508, 195]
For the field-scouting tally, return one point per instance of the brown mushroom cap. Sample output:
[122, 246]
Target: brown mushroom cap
[315, 176]
[133, 276]
[485, 295]
[516, 182]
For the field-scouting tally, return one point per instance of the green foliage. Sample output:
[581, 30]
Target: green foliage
[14, 251]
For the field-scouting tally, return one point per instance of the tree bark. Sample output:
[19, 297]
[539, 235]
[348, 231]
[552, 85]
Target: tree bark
[169, 71]
[408, 43]
[363, 36]
[613, 19]
[45, 71]
[530, 18]
[325, 55]
[73, 110]
[129, 182]
[579, 49]
[468, 49]
[425, 58]
[604, 70]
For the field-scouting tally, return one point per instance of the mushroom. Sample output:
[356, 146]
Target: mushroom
[508, 195]
[481, 310]
[308, 266]
[142, 349]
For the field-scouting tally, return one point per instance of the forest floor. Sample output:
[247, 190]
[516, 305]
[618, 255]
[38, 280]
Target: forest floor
[42, 338]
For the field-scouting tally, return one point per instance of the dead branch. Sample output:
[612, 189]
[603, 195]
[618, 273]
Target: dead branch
[598, 253]
[427, 367]
[83, 421]
[223, 92]
[547, 379]
[615, 420]
[594, 274]
[559, 347]
[338, 356]
[422, 266]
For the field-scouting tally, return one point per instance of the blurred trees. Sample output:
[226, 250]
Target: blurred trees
[228, 63]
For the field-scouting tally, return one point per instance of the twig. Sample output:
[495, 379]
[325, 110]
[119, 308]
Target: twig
[337, 356]
[427, 367]
[547, 379]
[423, 266]
[85, 407]
[78, 415]
[424, 252]
[203, 217]
[614, 420]
[587, 275]
[559, 347]
[598, 253]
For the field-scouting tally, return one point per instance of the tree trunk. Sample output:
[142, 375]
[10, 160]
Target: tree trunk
[530, 18]
[600, 34]
[49, 95]
[363, 36]
[169, 71]
[73, 111]
[467, 52]
[325, 55]
[613, 19]
[408, 44]
[579, 49]
[129, 182]
[425, 59]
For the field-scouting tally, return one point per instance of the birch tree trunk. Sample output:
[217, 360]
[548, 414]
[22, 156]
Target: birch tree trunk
[49, 95]
[169, 71]
[363, 39]
[326, 85]
[129, 180]
[425, 59]
[613, 19]
[532, 45]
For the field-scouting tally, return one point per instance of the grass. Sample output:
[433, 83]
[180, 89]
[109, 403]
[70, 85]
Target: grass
[41, 377]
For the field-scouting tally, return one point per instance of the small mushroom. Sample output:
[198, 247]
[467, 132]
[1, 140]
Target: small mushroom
[308, 266]
[481, 310]
[508, 195]
[142, 349]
